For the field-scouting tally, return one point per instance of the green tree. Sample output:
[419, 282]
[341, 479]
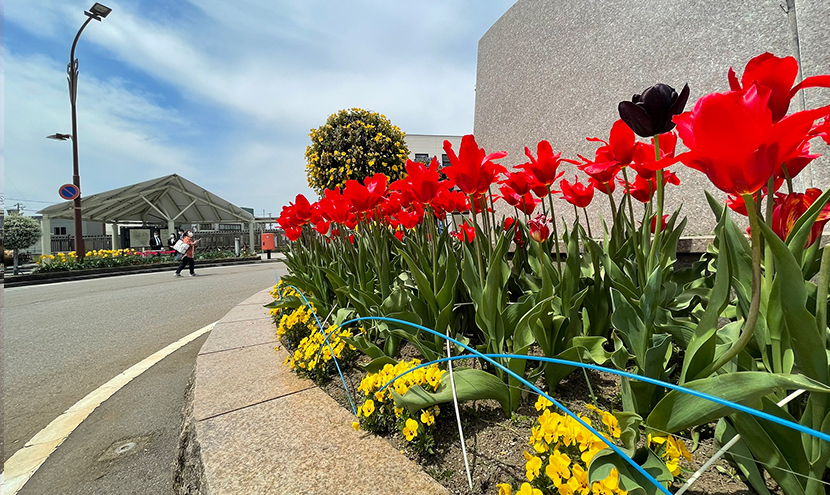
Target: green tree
[19, 232]
[354, 144]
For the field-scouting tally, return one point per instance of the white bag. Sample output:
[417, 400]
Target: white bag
[180, 246]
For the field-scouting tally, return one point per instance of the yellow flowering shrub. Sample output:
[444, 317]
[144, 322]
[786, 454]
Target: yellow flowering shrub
[354, 144]
[96, 258]
[379, 414]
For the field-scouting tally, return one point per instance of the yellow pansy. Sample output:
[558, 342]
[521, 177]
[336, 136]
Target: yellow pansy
[411, 429]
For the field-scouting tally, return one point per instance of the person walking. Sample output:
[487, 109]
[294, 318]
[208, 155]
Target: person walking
[187, 257]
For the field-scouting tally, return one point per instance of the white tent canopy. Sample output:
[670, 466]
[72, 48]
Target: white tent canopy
[170, 199]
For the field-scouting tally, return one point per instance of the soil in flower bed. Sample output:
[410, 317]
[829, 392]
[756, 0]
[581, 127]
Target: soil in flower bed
[495, 445]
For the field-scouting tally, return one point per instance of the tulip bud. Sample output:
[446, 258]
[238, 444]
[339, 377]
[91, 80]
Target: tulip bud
[539, 230]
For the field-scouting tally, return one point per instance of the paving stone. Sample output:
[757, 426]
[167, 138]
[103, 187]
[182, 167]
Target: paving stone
[260, 298]
[246, 312]
[299, 444]
[228, 380]
[240, 333]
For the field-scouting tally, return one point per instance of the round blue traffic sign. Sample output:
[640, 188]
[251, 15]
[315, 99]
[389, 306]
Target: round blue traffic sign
[69, 191]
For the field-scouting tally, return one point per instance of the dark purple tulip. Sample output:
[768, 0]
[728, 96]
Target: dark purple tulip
[650, 113]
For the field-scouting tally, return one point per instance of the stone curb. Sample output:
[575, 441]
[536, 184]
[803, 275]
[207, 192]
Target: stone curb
[258, 428]
[53, 277]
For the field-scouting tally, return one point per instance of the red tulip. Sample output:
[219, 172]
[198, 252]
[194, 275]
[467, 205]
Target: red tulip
[526, 202]
[778, 75]
[611, 158]
[544, 167]
[322, 227]
[736, 203]
[365, 198]
[577, 194]
[789, 208]
[409, 219]
[539, 189]
[393, 203]
[293, 233]
[335, 207]
[822, 130]
[447, 201]
[302, 208]
[471, 170]
[606, 187]
[466, 232]
[399, 235]
[799, 162]
[654, 223]
[519, 238]
[643, 190]
[519, 182]
[508, 223]
[733, 139]
[423, 182]
[644, 163]
[539, 230]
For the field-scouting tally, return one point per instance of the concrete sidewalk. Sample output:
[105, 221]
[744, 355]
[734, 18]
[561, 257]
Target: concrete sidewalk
[261, 429]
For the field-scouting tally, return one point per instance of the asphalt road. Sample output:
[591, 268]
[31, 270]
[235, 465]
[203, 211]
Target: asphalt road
[61, 341]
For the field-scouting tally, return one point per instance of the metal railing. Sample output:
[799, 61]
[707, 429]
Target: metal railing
[66, 243]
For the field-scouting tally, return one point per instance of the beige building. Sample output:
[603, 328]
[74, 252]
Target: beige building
[557, 70]
[425, 146]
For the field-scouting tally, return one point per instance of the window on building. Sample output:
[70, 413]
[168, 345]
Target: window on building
[230, 226]
[422, 157]
[445, 160]
[206, 226]
[60, 230]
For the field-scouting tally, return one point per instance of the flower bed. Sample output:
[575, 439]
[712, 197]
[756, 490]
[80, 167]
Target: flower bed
[708, 351]
[107, 258]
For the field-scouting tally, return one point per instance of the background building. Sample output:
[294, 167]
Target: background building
[557, 70]
[425, 146]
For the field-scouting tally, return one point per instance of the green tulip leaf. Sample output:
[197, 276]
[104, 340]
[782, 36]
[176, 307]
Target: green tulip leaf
[470, 384]
[678, 410]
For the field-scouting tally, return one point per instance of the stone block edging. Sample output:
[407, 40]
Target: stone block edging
[261, 429]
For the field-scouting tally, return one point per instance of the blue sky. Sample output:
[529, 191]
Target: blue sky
[223, 93]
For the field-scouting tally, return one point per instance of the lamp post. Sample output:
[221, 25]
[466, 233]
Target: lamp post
[96, 12]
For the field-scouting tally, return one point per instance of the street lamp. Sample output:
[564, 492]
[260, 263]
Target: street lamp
[96, 12]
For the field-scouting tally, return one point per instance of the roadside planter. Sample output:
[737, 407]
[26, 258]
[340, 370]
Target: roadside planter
[721, 342]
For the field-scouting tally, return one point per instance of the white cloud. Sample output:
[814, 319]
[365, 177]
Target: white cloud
[274, 69]
[122, 135]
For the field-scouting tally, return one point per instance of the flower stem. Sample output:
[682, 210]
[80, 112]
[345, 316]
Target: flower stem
[588, 222]
[755, 303]
[555, 235]
[477, 241]
[658, 227]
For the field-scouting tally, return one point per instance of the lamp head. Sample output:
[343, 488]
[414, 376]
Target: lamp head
[60, 137]
[98, 11]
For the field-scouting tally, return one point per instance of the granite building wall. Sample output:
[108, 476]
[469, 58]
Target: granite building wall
[556, 70]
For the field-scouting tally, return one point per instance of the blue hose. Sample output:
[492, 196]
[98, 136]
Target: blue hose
[320, 325]
[525, 382]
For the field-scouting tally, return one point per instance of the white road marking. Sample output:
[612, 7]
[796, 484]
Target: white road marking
[23, 464]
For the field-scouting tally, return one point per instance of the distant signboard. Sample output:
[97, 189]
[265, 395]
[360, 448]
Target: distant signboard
[139, 238]
[69, 191]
